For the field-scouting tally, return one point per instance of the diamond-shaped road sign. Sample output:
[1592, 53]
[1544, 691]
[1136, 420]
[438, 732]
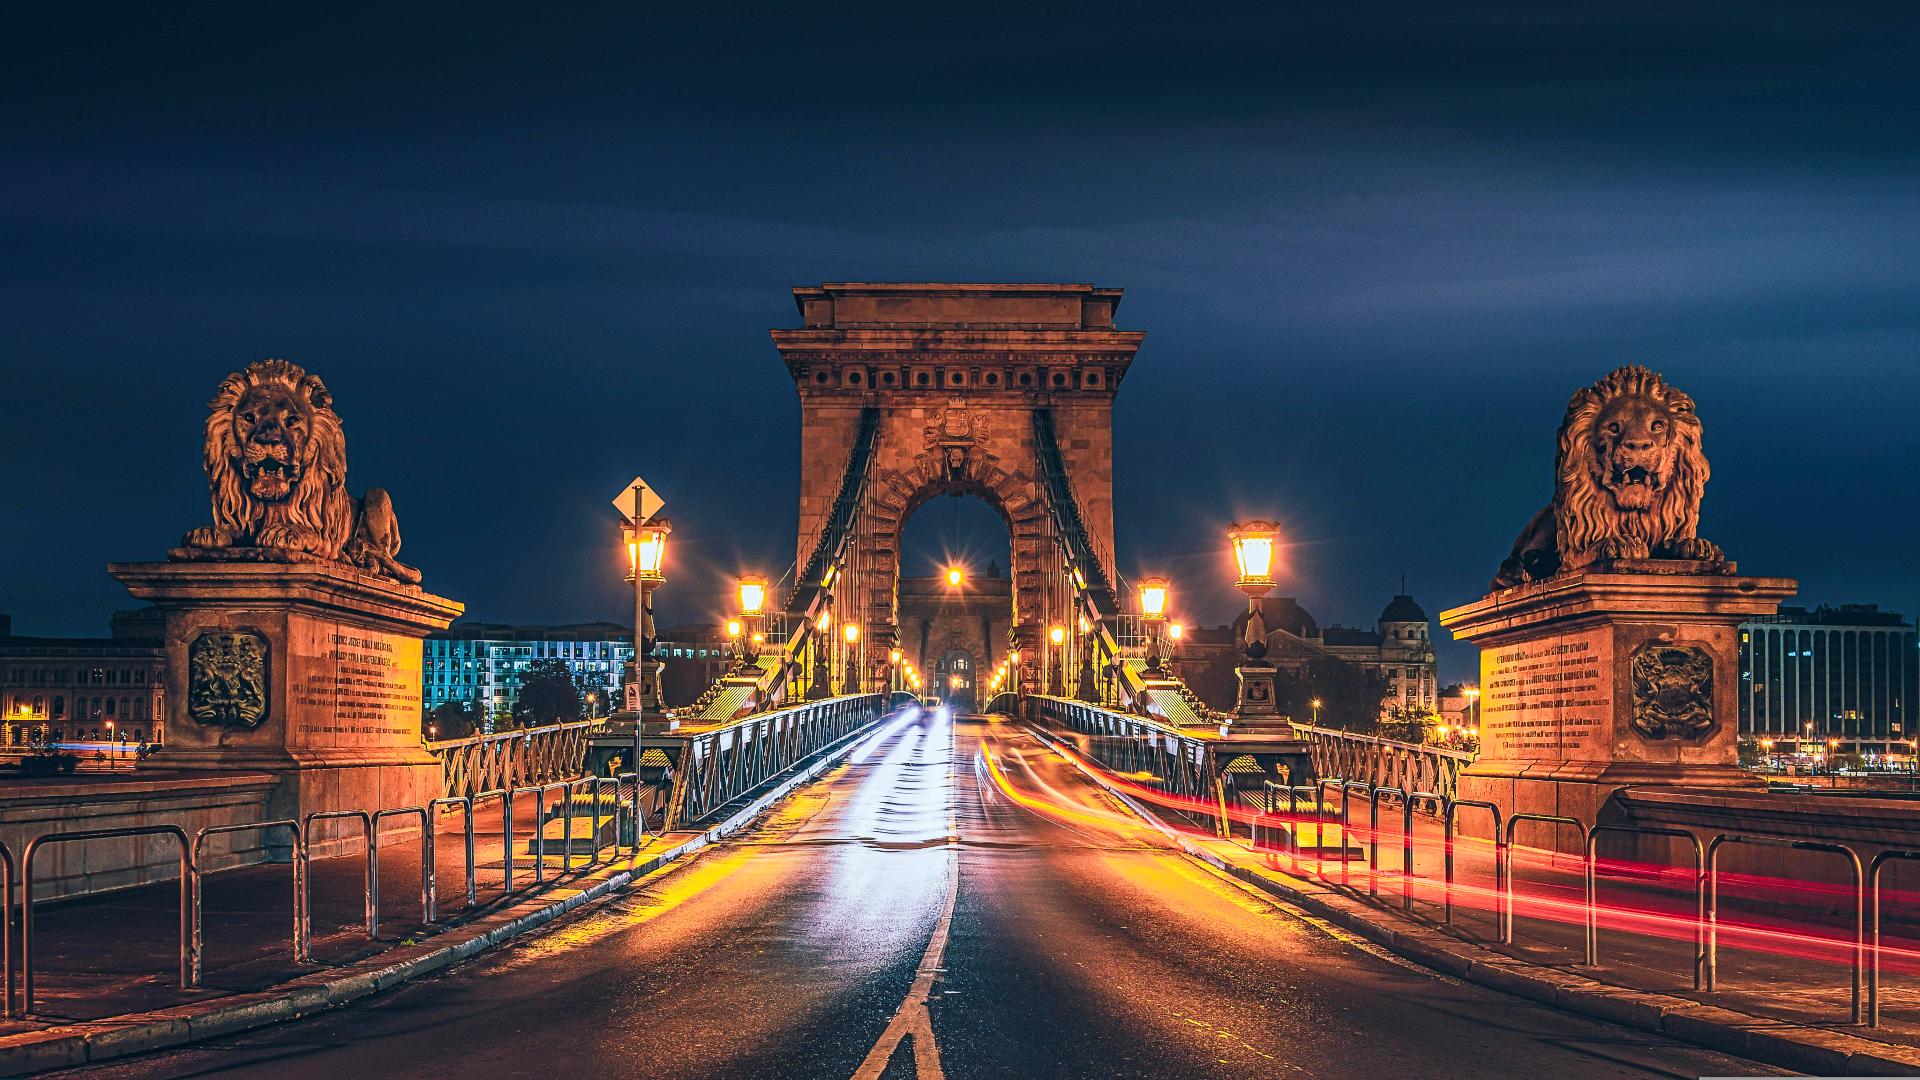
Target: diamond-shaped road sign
[650, 503]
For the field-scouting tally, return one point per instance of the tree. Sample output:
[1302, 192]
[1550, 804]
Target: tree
[1349, 694]
[452, 720]
[548, 694]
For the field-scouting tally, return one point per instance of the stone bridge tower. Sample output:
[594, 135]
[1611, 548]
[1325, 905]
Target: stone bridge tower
[937, 388]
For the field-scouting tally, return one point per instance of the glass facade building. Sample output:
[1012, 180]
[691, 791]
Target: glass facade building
[1849, 672]
[480, 664]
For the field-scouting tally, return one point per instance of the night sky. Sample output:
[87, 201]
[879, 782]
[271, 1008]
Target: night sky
[1374, 248]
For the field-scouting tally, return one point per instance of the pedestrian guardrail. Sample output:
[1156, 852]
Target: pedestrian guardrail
[1383, 762]
[509, 759]
[26, 895]
[1867, 893]
[301, 928]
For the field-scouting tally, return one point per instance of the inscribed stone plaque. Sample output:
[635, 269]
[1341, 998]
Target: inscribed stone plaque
[1548, 698]
[351, 686]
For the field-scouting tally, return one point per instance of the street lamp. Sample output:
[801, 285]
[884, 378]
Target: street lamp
[1153, 610]
[753, 602]
[851, 631]
[646, 556]
[1253, 544]
[1315, 703]
[956, 576]
[1055, 661]
[823, 650]
[1175, 631]
[1089, 685]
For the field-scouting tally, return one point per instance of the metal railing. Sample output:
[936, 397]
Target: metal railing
[26, 896]
[1176, 762]
[1699, 892]
[513, 758]
[718, 766]
[1506, 888]
[371, 855]
[302, 928]
[1879, 863]
[1449, 834]
[1383, 762]
[1713, 901]
[1704, 878]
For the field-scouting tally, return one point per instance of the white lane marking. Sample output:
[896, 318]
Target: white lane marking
[912, 1019]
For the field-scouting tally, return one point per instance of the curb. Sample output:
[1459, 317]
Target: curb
[1770, 1042]
[94, 1041]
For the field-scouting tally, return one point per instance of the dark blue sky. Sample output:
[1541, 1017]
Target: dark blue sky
[1374, 249]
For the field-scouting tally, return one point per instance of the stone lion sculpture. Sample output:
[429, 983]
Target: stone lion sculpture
[276, 461]
[1628, 481]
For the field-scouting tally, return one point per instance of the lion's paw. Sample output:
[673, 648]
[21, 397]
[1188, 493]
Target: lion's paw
[291, 538]
[207, 536]
[1693, 547]
[1624, 547]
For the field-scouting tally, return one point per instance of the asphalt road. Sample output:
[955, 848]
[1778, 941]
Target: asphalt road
[954, 901]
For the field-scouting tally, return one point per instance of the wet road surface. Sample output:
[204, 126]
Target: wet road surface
[955, 900]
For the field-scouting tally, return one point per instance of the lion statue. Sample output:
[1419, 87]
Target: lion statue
[276, 461]
[1628, 481]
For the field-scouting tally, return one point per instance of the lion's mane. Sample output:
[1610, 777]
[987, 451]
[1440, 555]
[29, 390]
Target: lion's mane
[1584, 513]
[319, 501]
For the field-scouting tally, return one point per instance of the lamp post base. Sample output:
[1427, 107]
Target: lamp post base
[1256, 699]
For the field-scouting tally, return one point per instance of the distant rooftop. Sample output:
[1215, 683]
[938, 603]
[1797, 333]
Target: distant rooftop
[1839, 615]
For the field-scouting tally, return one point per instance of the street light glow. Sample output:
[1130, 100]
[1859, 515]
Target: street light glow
[1153, 597]
[956, 576]
[753, 595]
[1253, 550]
[647, 549]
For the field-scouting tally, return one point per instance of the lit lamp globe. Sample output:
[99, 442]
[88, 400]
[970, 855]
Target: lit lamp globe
[753, 604]
[753, 595]
[1057, 635]
[647, 550]
[1253, 544]
[956, 577]
[1153, 608]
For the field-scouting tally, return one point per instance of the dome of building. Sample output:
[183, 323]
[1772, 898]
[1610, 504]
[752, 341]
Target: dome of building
[1402, 609]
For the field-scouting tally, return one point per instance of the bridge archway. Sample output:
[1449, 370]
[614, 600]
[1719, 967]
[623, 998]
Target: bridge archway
[913, 390]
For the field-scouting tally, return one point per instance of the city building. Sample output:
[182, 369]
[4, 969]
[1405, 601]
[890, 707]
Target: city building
[480, 664]
[1848, 672]
[92, 688]
[1399, 647]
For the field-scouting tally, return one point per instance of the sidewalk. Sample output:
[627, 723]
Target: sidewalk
[119, 953]
[1784, 974]
[107, 967]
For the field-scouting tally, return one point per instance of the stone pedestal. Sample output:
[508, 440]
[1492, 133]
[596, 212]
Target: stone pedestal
[1626, 673]
[1257, 691]
[310, 671]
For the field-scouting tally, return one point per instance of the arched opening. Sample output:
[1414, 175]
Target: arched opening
[954, 604]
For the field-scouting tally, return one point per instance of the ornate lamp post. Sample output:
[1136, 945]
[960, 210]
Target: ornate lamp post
[855, 670]
[1175, 631]
[823, 649]
[893, 670]
[1153, 609]
[1253, 544]
[1089, 682]
[646, 555]
[753, 600]
[1056, 661]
